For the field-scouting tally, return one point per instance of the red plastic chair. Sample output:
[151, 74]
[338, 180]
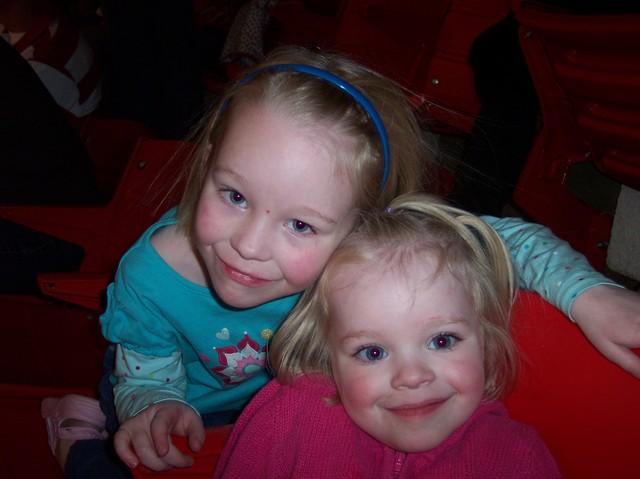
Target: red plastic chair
[395, 38]
[448, 82]
[584, 407]
[424, 45]
[33, 329]
[586, 70]
[49, 344]
[110, 143]
[146, 190]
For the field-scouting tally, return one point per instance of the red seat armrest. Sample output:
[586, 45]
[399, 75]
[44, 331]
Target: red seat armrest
[82, 289]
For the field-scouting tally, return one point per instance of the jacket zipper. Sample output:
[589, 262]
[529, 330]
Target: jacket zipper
[398, 464]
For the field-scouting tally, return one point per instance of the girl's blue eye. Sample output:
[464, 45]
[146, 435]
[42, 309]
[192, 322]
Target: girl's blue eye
[300, 226]
[235, 198]
[442, 341]
[371, 353]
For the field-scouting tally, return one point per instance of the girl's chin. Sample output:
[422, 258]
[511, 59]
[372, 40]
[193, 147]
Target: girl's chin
[238, 296]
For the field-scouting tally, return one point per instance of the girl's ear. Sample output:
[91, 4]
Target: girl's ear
[207, 149]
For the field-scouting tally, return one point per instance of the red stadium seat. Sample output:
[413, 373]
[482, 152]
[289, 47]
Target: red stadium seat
[311, 24]
[449, 82]
[146, 190]
[110, 143]
[424, 45]
[586, 70]
[584, 407]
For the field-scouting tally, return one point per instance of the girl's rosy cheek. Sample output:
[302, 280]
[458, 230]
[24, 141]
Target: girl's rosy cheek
[305, 269]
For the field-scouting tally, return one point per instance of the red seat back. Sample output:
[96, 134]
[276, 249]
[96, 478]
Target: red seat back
[449, 80]
[586, 70]
[584, 407]
[422, 44]
[109, 143]
[146, 189]
[395, 38]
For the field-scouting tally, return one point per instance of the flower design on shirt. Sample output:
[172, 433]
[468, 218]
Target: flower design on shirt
[239, 363]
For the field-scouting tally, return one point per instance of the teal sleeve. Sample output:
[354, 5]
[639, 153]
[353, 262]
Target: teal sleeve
[145, 380]
[149, 364]
[545, 263]
[134, 316]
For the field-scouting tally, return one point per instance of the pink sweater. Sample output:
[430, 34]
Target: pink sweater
[290, 432]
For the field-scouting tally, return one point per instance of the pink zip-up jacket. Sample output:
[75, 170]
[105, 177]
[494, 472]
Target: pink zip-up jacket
[289, 431]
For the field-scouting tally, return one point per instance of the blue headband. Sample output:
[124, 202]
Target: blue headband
[344, 86]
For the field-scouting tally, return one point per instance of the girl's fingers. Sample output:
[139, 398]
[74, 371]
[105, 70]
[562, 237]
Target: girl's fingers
[123, 446]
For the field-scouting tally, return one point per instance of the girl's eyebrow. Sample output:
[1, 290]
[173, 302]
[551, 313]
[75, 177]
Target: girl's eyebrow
[311, 212]
[357, 335]
[237, 176]
[440, 323]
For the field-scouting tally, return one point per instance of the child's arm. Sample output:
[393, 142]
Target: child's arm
[151, 389]
[607, 314]
[150, 404]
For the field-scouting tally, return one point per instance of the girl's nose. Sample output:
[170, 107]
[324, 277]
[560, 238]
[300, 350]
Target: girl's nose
[251, 239]
[411, 374]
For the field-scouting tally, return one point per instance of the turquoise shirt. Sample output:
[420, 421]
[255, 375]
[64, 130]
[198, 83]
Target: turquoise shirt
[177, 341]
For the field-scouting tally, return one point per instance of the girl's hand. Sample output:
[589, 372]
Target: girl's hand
[610, 318]
[145, 438]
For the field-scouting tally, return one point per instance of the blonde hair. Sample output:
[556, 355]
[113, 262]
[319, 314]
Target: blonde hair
[413, 224]
[310, 100]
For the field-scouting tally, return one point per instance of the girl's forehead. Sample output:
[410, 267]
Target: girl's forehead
[376, 297]
[402, 267]
[249, 121]
[318, 125]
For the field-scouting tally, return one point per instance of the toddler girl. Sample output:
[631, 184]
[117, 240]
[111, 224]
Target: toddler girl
[392, 364]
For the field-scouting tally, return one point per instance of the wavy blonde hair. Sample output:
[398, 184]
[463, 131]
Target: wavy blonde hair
[312, 101]
[413, 225]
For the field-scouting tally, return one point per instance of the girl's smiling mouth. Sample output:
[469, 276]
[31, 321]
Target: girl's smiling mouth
[417, 410]
[241, 277]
